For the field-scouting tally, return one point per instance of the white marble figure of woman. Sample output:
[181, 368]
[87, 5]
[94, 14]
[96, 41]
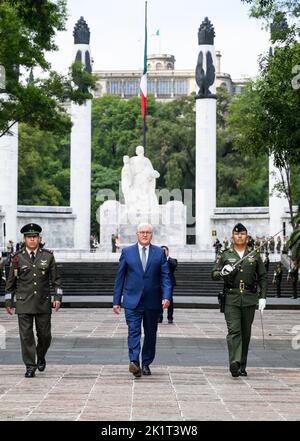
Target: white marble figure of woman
[126, 179]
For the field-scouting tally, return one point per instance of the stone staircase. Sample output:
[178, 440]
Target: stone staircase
[193, 279]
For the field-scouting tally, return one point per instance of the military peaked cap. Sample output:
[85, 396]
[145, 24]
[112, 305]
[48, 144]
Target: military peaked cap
[31, 230]
[238, 228]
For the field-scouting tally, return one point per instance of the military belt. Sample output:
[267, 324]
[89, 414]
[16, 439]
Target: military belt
[242, 287]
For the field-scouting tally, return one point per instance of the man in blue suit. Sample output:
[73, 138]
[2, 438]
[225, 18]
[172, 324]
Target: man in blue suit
[143, 280]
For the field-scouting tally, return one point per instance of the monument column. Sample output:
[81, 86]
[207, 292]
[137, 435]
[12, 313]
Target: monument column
[80, 198]
[276, 204]
[8, 176]
[206, 126]
[9, 183]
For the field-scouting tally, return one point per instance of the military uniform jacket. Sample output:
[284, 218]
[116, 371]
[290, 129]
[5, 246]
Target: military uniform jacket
[241, 286]
[278, 275]
[29, 283]
[294, 272]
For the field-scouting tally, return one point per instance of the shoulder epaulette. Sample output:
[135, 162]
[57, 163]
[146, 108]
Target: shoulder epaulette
[47, 251]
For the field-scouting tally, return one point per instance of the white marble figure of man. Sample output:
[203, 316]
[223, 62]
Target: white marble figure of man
[142, 193]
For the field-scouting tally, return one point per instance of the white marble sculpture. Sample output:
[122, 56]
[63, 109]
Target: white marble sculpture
[138, 181]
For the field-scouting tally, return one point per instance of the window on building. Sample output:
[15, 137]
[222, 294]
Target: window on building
[180, 87]
[151, 86]
[131, 88]
[237, 89]
[169, 66]
[159, 66]
[164, 88]
[114, 87]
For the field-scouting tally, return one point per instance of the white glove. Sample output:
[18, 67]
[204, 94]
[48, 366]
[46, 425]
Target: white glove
[227, 269]
[261, 305]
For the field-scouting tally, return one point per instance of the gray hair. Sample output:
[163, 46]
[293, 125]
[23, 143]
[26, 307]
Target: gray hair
[142, 225]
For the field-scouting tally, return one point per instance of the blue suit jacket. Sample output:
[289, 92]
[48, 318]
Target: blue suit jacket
[132, 281]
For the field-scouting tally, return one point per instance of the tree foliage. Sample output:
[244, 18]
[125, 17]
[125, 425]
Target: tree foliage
[117, 131]
[44, 168]
[265, 117]
[27, 31]
[280, 16]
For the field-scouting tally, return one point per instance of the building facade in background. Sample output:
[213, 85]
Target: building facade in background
[164, 81]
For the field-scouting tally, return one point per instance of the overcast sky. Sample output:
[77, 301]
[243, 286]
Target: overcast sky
[117, 33]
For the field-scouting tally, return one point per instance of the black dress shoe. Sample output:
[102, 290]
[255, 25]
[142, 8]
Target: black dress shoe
[160, 320]
[135, 369]
[243, 373]
[235, 368]
[41, 364]
[146, 370]
[29, 373]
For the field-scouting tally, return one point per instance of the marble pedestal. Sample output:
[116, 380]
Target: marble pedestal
[168, 221]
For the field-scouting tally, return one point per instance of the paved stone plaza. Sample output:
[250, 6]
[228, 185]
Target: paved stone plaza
[87, 374]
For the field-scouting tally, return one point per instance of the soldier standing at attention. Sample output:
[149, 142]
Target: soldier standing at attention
[31, 271]
[240, 287]
[277, 279]
[294, 276]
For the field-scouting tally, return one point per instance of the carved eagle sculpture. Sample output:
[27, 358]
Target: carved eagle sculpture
[210, 72]
[200, 75]
[205, 80]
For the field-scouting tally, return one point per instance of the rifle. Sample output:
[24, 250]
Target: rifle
[222, 300]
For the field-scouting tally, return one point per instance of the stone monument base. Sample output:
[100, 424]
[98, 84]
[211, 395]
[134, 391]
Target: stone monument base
[168, 221]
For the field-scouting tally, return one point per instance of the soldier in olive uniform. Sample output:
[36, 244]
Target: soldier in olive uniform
[294, 276]
[240, 287]
[272, 245]
[31, 271]
[278, 245]
[277, 279]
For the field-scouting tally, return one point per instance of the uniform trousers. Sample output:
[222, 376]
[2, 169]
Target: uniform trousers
[239, 321]
[31, 350]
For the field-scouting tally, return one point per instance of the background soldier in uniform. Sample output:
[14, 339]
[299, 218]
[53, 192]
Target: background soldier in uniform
[277, 279]
[278, 245]
[240, 287]
[31, 271]
[172, 264]
[267, 261]
[272, 245]
[294, 275]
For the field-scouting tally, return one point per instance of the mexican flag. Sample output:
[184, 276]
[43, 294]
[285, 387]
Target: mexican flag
[143, 83]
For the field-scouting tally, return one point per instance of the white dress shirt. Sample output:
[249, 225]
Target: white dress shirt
[30, 251]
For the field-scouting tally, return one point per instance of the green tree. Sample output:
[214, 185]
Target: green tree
[294, 241]
[44, 174]
[27, 31]
[102, 178]
[242, 180]
[280, 16]
[265, 118]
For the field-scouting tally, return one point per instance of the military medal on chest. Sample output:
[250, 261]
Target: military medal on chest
[43, 263]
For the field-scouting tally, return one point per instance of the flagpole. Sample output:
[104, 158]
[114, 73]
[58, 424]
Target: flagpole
[145, 68]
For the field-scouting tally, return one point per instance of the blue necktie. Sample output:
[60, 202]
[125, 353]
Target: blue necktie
[144, 259]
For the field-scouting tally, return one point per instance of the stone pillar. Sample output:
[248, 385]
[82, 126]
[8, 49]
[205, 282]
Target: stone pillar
[9, 183]
[205, 136]
[276, 204]
[80, 191]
